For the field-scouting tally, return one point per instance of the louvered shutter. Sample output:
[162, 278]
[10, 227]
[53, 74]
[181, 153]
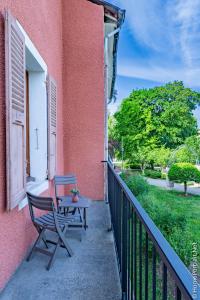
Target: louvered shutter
[15, 112]
[52, 119]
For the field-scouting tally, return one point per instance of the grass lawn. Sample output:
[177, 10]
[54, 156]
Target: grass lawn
[177, 216]
[178, 203]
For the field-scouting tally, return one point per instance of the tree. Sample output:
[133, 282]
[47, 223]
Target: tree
[182, 154]
[160, 156]
[189, 152]
[157, 117]
[184, 172]
[193, 145]
[140, 157]
[113, 143]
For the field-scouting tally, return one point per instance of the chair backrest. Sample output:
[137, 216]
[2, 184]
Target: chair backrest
[64, 180]
[42, 203]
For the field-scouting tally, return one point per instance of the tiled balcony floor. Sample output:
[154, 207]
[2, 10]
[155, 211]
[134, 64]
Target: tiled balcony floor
[91, 274]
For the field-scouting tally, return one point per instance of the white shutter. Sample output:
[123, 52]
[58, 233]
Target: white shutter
[52, 120]
[15, 112]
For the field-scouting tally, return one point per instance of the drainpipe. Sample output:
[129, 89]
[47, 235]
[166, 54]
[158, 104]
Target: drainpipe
[107, 37]
[107, 101]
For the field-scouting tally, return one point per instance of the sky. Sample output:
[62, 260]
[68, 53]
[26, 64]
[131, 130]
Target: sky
[159, 42]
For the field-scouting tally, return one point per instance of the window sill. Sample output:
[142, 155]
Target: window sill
[35, 188]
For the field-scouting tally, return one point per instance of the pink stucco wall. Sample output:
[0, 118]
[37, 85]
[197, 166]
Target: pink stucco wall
[79, 75]
[83, 81]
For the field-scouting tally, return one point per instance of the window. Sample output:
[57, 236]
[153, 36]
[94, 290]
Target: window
[36, 119]
[30, 115]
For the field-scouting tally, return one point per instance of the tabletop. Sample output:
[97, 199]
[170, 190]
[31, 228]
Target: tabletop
[66, 201]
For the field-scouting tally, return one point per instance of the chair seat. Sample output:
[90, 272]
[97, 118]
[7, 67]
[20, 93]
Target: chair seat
[47, 220]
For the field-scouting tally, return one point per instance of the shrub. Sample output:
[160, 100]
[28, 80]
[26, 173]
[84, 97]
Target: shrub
[152, 173]
[169, 222]
[177, 240]
[166, 220]
[134, 166]
[137, 184]
[163, 176]
[184, 172]
[124, 176]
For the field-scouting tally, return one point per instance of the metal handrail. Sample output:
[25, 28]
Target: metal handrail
[183, 278]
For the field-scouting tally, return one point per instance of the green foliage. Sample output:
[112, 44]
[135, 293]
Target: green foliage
[141, 157]
[178, 240]
[182, 154]
[137, 184]
[111, 127]
[160, 156]
[183, 172]
[124, 176]
[113, 143]
[177, 217]
[152, 173]
[166, 220]
[155, 118]
[134, 166]
[163, 176]
[193, 145]
[74, 191]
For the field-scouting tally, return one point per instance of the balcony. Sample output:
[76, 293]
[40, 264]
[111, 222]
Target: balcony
[91, 273]
[144, 266]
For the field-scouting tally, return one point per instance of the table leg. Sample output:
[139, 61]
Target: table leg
[84, 218]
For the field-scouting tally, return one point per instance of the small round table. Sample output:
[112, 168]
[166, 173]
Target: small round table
[83, 203]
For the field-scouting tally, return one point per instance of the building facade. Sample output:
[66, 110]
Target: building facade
[54, 86]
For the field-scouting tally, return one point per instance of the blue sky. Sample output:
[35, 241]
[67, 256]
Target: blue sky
[159, 42]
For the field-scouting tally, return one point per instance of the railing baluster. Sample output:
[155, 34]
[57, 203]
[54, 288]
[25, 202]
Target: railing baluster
[128, 248]
[132, 252]
[135, 255]
[111, 198]
[178, 293]
[140, 260]
[164, 283]
[114, 203]
[124, 249]
[153, 273]
[115, 212]
[121, 233]
[147, 267]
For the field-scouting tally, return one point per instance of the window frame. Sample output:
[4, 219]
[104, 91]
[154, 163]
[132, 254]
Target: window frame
[35, 187]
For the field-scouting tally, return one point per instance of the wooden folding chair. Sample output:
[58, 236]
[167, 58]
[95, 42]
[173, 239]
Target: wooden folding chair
[64, 180]
[50, 221]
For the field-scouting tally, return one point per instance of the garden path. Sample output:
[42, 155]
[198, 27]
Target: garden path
[194, 190]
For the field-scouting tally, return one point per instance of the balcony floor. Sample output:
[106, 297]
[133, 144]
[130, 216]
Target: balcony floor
[91, 273]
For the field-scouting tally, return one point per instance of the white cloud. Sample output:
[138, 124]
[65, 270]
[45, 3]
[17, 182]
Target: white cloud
[186, 16]
[148, 22]
[158, 73]
[171, 30]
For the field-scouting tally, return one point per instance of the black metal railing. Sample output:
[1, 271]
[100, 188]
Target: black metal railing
[149, 268]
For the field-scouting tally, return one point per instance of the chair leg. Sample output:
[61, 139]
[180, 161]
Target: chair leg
[53, 255]
[40, 237]
[44, 240]
[65, 243]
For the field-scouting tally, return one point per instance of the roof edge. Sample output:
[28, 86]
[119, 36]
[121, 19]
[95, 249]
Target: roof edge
[113, 9]
[120, 15]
